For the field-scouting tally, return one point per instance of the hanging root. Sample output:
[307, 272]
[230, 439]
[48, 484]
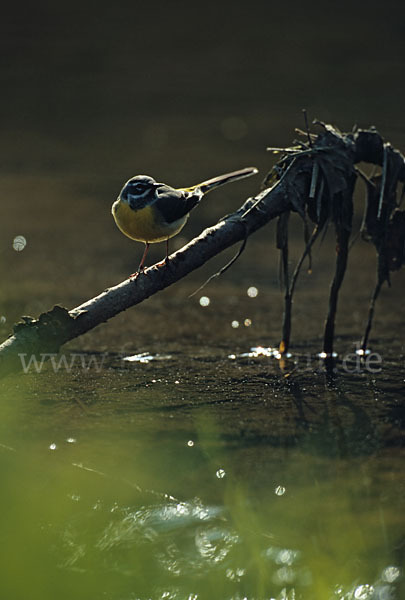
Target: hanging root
[373, 300]
[341, 264]
[384, 225]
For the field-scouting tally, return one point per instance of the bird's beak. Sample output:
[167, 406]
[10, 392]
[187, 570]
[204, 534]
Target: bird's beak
[157, 185]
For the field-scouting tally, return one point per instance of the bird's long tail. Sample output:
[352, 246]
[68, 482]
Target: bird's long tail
[207, 186]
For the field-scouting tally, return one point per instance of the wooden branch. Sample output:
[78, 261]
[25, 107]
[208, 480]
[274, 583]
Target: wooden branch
[293, 188]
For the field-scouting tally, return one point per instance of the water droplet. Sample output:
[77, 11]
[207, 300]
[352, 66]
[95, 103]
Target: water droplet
[220, 473]
[19, 243]
[53, 447]
[235, 575]
[286, 556]
[252, 292]
[260, 351]
[182, 509]
[364, 592]
[235, 324]
[2, 320]
[324, 355]
[190, 443]
[390, 574]
[247, 322]
[177, 382]
[204, 301]
[71, 440]
[361, 352]
[280, 490]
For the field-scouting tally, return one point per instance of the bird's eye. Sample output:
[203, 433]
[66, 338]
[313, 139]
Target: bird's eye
[139, 188]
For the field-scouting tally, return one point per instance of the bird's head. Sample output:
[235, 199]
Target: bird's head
[139, 191]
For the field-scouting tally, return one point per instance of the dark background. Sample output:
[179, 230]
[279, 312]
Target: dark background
[116, 88]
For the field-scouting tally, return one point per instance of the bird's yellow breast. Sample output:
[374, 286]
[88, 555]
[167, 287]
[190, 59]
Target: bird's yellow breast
[146, 224]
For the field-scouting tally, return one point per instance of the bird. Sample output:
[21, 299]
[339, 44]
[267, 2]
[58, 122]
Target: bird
[150, 212]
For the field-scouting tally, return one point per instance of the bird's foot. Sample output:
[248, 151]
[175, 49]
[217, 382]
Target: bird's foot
[136, 274]
[164, 263]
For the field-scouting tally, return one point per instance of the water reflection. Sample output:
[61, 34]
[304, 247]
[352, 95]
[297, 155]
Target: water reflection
[146, 357]
[184, 541]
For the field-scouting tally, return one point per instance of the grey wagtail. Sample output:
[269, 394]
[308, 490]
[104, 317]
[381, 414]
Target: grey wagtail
[150, 212]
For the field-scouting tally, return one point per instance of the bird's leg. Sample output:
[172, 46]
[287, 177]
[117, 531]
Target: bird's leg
[141, 264]
[165, 261]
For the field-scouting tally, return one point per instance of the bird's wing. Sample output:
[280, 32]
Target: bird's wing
[175, 204]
